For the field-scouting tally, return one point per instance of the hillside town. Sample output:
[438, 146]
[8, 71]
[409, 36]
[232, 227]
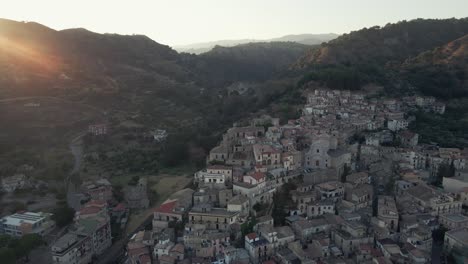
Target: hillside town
[347, 182]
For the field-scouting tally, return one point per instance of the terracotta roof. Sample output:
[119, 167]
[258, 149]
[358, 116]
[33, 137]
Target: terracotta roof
[120, 207]
[90, 210]
[179, 248]
[100, 203]
[258, 175]
[138, 251]
[219, 167]
[145, 259]
[251, 236]
[167, 207]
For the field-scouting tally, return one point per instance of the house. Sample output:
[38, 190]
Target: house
[255, 178]
[221, 169]
[239, 204]
[97, 129]
[306, 229]
[178, 252]
[434, 201]
[456, 238]
[12, 183]
[159, 135]
[408, 138]
[99, 190]
[166, 213]
[387, 212]
[213, 218]
[23, 223]
[350, 236]
[163, 246]
[267, 155]
[320, 207]
[259, 248]
[332, 190]
[219, 153]
[397, 124]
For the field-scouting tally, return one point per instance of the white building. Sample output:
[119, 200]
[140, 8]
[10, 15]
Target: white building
[397, 124]
[20, 224]
[72, 249]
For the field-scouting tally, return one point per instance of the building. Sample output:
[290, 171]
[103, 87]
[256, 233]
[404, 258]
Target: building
[12, 183]
[397, 124]
[332, 190]
[321, 207]
[239, 204]
[166, 213]
[72, 249]
[20, 224]
[213, 218]
[259, 248]
[97, 129]
[457, 238]
[99, 190]
[98, 229]
[453, 221]
[387, 212]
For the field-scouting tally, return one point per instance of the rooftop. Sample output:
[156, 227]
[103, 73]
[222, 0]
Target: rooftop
[461, 235]
[457, 217]
[27, 217]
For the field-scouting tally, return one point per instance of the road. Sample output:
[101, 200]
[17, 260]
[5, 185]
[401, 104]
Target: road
[76, 148]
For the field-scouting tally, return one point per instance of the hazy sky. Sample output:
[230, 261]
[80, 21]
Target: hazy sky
[176, 22]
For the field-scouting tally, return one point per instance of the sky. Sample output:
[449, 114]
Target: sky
[178, 22]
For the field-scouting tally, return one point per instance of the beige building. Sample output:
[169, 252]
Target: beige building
[387, 212]
[453, 221]
[457, 238]
[213, 218]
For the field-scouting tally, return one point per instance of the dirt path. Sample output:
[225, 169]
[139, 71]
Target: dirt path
[76, 148]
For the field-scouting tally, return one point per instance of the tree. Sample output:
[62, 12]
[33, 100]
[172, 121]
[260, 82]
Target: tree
[7, 255]
[27, 243]
[63, 215]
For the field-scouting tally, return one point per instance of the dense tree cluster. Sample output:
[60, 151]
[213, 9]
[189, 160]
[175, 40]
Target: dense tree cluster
[12, 250]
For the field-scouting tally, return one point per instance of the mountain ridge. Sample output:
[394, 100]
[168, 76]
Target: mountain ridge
[306, 39]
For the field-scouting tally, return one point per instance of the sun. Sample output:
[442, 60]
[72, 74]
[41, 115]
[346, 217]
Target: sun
[20, 52]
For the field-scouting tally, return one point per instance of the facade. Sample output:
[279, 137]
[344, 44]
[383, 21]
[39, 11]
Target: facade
[20, 224]
[333, 190]
[457, 238]
[387, 212]
[213, 218]
[97, 129]
[72, 249]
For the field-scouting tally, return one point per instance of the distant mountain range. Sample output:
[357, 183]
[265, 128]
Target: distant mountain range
[306, 39]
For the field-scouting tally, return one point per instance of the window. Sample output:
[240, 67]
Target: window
[317, 163]
[318, 150]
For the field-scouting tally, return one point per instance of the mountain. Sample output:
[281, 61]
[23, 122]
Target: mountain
[306, 39]
[252, 62]
[376, 55]
[393, 42]
[445, 66]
